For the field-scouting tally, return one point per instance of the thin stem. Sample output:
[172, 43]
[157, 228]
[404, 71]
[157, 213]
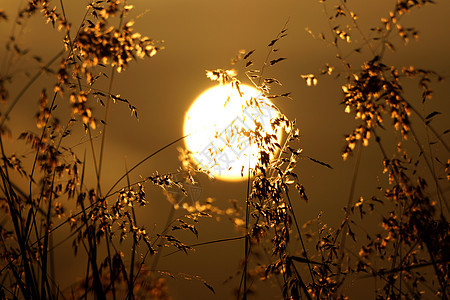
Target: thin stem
[302, 284]
[345, 228]
[436, 134]
[338, 50]
[6, 58]
[209, 243]
[133, 248]
[166, 228]
[430, 167]
[27, 86]
[247, 239]
[300, 235]
[247, 244]
[30, 283]
[269, 53]
[105, 126]
[355, 25]
[142, 161]
[97, 174]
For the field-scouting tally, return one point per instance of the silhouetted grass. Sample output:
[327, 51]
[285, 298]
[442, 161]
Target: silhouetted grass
[305, 263]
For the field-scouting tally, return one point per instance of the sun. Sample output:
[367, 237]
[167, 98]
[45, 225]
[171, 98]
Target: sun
[218, 126]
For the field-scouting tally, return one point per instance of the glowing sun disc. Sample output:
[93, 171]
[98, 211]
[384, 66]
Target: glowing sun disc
[213, 123]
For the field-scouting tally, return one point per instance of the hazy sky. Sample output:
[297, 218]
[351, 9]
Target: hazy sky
[200, 35]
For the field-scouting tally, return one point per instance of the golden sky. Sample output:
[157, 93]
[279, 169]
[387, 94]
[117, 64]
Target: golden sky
[200, 35]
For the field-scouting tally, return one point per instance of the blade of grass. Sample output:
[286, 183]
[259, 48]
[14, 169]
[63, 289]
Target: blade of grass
[30, 283]
[345, 227]
[83, 172]
[430, 167]
[247, 245]
[107, 109]
[20, 284]
[133, 248]
[209, 243]
[302, 284]
[300, 235]
[169, 221]
[47, 235]
[142, 161]
[27, 86]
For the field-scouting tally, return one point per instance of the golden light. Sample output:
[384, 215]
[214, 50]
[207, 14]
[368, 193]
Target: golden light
[218, 123]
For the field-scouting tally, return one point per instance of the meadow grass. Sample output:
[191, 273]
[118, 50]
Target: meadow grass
[406, 257]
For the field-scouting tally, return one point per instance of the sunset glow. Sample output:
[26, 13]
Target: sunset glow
[217, 122]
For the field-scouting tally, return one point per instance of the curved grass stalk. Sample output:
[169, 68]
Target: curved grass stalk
[142, 161]
[301, 242]
[430, 167]
[27, 86]
[107, 195]
[344, 229]
[105, 126]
